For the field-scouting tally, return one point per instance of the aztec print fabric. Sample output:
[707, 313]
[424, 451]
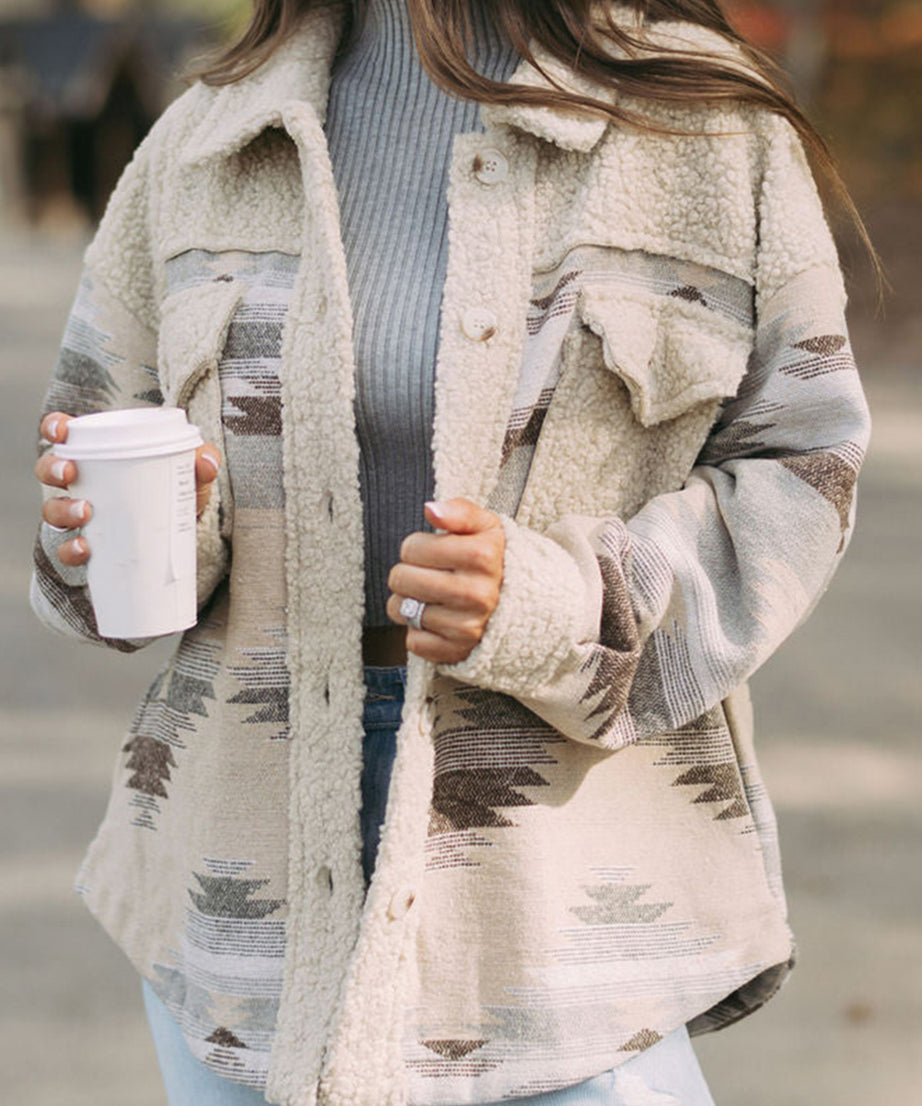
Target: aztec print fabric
[220, 969]
[579, 854]
[220, 972]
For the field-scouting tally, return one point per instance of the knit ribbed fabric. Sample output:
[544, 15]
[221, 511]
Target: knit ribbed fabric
[390, 133]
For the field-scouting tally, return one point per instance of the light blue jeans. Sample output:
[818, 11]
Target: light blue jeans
[665, 1075]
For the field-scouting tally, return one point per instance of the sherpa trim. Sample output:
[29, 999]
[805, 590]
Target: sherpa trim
[674, 463]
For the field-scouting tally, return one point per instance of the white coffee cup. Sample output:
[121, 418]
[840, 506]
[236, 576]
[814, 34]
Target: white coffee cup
[136, 467]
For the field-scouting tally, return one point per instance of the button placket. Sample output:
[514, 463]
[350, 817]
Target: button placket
[479, 324]
[490, 166]
[480, 353]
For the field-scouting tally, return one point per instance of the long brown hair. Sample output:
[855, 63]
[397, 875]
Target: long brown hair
[581, 35]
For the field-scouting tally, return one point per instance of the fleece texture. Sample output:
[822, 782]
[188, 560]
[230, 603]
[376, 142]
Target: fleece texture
[643, 367]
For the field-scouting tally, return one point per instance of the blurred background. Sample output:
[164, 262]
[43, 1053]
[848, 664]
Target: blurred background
[838, 708]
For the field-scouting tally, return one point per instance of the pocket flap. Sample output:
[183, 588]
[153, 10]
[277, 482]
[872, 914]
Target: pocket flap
[672, 353]
[193, 331]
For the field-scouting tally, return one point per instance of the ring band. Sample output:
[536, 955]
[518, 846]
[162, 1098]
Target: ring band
[412, 611]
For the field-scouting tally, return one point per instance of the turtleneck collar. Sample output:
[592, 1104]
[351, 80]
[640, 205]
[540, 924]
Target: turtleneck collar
[387, 27]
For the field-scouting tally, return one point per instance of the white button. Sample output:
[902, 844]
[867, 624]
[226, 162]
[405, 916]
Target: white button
[400, 903]
[479, 323]
[490, 167]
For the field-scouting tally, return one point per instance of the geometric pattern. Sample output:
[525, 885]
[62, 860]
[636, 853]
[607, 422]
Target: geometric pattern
[176, 696]
[704, 753]
[487, 750]
[265, 684]
[496, 762]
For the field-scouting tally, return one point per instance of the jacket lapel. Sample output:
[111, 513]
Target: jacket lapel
[567, 129]
[298, 72]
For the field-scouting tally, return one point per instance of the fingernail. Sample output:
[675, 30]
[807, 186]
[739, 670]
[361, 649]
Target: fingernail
[51, 430]
[208, 459]
[437, 507]
[77, 510]
[79, 546]
[58, 469]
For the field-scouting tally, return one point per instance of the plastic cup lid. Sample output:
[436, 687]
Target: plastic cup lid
[128, 433]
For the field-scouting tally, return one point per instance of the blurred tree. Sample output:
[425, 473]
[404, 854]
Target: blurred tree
[857, 66]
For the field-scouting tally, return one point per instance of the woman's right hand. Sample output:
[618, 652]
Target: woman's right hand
[65, 513]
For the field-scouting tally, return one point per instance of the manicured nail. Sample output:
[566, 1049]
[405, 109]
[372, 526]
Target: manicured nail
[51, 430]
[436, 507]
[209, 460]
[58, 469]
[77, 510]
[79, 546]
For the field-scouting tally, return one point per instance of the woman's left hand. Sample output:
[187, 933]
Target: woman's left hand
[457, 575]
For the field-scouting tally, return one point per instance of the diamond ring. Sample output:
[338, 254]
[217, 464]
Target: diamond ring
[412, 611]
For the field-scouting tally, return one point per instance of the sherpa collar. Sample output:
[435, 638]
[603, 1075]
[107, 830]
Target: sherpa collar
[299, 72]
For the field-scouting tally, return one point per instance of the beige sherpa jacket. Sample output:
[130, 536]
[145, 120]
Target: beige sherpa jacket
[644, 369]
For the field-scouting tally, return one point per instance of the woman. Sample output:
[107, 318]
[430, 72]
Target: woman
[579, 287]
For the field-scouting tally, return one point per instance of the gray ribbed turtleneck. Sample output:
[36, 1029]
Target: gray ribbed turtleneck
[390, 133]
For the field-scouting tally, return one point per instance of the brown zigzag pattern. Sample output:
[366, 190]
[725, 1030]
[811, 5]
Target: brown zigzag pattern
[466, 799]
[828, 474]
[262, 415]
[644, 1038]
[824, 345]
[829, 355]
[703, 749]
[265, 685]
[483, 754]
[612, 662]
[150, 762]
[488, 713]
[225, 1037]
[453, 1050]
[689, 293]
[724, 786]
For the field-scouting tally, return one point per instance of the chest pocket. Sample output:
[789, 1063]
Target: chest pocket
[193, 332]
[673, 352]
[644, 372]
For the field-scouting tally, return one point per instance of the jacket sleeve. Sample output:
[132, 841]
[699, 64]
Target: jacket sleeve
[107, 360]
[614, 629]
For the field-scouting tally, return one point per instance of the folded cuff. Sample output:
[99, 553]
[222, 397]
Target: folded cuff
[550, 602]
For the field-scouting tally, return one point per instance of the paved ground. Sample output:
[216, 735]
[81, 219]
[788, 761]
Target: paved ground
[839, 713]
